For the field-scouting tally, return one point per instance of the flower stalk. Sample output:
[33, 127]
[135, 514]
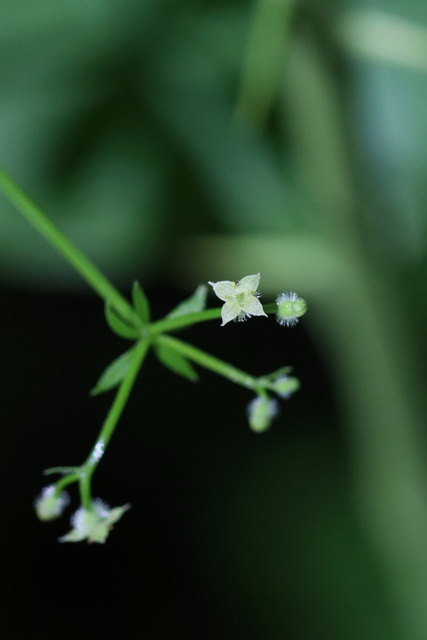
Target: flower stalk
[94, 519]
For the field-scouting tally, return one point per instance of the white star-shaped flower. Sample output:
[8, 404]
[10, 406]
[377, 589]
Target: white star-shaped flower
[96, 524]
[241, 298]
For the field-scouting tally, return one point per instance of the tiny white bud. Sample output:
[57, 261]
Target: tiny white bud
[50, 506]
[261, 411]
[285, 386]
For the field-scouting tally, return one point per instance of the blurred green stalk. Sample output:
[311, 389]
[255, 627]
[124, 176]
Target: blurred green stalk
[265, 59]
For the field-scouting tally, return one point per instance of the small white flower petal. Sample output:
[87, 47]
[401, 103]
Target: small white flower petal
[224, 289]
[230, 310]
[99, 533]
[116, 514]
[249, 284]
[253, 307]
[73, 536]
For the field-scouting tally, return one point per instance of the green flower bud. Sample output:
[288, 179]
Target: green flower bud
[261, 411]
[50, 506]
[285, 386]
[290, 308]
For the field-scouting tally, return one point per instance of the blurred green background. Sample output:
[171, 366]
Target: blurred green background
[180, 141]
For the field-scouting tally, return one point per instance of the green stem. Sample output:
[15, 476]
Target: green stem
[111, 421]
[172, 324]
[40, 221]
[210, 362]
[63, 482]
[271, 307]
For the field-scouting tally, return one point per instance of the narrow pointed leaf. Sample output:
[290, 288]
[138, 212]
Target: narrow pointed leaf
[267, 381]
[118, 325]
[283, 371]
[140, 302]
[194, 304]
[62, 470]
[176, 363]
[114, 373]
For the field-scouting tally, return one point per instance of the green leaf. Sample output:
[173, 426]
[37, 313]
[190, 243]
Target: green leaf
[283, 371]
[265, 381]
[121, 327]
[140, 302]
[194, 304]
[176, 363]
[114, 373]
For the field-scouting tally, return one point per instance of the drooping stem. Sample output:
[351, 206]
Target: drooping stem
[40, 221]
[110, 423]
[64, 482]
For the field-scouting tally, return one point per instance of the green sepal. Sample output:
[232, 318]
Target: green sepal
[283, 371]
[140, 302]
[176, 363]
[114, 373]
[121, 327]
[62, 470]
[194, 304]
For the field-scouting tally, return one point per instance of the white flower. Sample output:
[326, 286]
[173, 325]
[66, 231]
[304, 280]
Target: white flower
[241, 298]
[96, 524]
[290, 307]
[49, 505]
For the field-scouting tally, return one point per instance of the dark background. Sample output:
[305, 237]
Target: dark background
[177, 142]
[216, 510]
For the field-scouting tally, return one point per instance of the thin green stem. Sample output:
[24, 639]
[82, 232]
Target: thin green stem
[271, 307]
[40, 221]
[210, 362]
[63, 482]
[113, 416]
[172, 324]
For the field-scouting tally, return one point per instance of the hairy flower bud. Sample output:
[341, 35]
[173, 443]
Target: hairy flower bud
[290, 308]
[261, 411]
[50, 506]
[285, 386]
